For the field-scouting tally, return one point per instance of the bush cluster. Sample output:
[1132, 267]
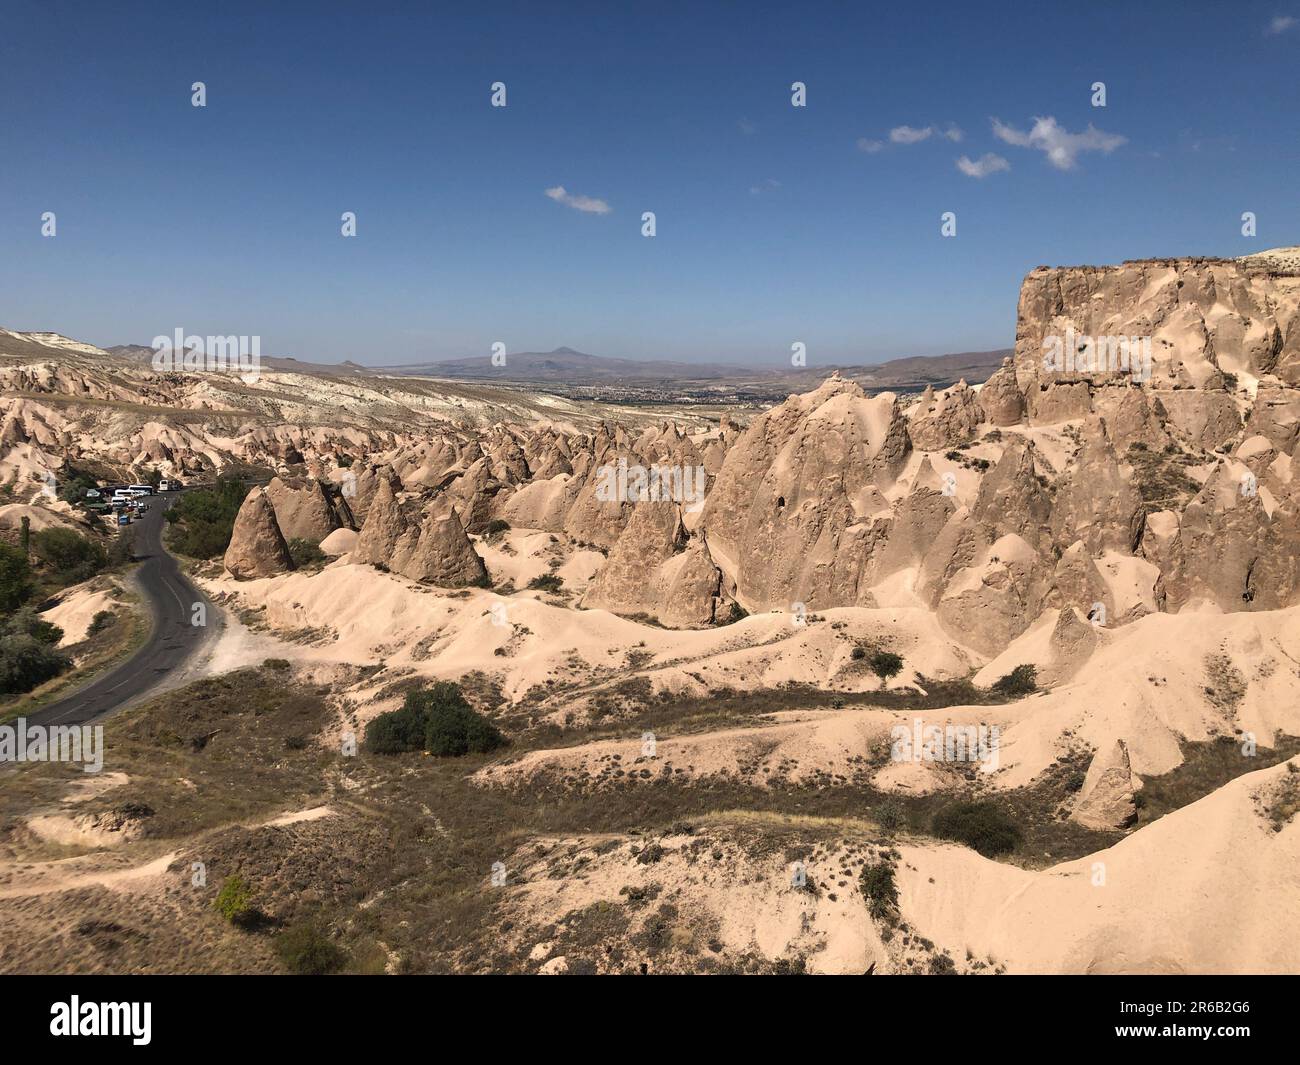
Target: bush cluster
[437, 720]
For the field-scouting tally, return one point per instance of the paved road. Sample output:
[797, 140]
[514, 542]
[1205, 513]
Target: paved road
[171, 598]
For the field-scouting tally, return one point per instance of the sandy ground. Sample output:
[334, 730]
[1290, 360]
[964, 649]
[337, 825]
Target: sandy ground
[1228, 902]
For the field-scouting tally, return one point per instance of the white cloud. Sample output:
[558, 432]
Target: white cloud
[869, 146]
[953, 133]
[768, 185]
[588, 204]
[1061, 147]
[1282, 23]
[909, 134]
[986, 164]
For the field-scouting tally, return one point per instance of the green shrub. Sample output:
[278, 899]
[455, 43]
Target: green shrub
[306, 552]
[890, 817]
[26, 622]
[74, 483]
[879, 889]
[437, 720]
[205, 517]
[121, 547]
[1022, 680]
[983, 826]
[886, 664]
[496, 525]
[26, 662]
[547, 582]
[858, 653]
[102, 620]
[942, 965]
[396, 731]
[71, 556]
[235, 901]
[305, 950]
[15, 577]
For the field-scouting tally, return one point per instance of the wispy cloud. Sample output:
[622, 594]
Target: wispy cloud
[986, 164]
[865, 144]
[767, 185]
[747, 127]
[909, 134]
[1061, 147]
[1281, 24]
[914, 134]
[587, 204]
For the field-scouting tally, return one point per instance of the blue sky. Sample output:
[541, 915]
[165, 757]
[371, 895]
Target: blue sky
[775, 223]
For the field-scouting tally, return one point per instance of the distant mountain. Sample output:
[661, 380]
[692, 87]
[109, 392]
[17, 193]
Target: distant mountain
[563, 364]
[570, 367]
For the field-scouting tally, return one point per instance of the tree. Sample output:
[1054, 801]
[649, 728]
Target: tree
[26, 662]
[886, 664]
[205, 518]
[437, 720]
[26, 622]
[72, 556]
[15, 577]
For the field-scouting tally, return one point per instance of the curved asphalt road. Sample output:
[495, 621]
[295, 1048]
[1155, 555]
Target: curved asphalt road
[173, 639]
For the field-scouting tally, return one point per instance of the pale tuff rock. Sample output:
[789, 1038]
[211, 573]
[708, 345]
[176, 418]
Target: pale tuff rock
[988, 604]
[1078, 583]
[1059, 401]
[1000, 397]
[423, 542]
[657, 569]
[1106, 800]
[1231, 552]
[592, 520]
[1132, 416]
[359, 487]
[474, 494]
[1011, 499]
[1212, 315]
[951, 419]
[304, 508]
[1276, 415]
[789, 510]
[1204, 419]
[257, 547]
[339, 542]
[1095, 499]
[913, 529]
[1074, 639]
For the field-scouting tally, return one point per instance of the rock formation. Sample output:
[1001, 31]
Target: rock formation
[257, 547]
